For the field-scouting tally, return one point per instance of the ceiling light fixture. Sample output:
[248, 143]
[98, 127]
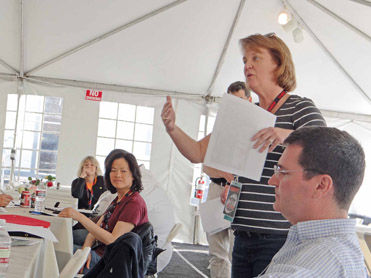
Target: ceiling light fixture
[298, 35]
[291, 25]
[283, 17]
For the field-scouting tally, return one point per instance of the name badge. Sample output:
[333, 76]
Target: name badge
[231, 202]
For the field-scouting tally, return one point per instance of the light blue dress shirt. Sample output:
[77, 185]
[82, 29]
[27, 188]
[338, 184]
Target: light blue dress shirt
[320, 248]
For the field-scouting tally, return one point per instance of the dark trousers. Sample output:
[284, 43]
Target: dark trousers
[253, 252]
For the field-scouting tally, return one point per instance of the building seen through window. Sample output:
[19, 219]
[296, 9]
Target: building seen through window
[125, 126]
[37, 136]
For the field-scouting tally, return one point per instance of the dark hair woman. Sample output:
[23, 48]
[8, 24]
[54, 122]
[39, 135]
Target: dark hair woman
[126, 211]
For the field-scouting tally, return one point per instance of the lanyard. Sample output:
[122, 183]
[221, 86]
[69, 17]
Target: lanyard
[111, 209]
[276, 100]
[90, 193]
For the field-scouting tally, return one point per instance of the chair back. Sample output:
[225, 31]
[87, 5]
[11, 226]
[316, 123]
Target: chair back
[149, 245]
[75, 263]
[173, 232]
[364, 237]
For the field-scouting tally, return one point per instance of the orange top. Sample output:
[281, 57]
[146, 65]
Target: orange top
[90, 185]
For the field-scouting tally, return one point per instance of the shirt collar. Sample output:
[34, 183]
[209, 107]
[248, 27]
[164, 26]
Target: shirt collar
[322, 228]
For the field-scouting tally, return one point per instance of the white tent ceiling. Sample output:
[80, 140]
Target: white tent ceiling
[186, 48]
[177, 46]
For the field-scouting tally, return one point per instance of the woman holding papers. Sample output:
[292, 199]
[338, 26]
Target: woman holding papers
[89, 185]
[126, 211]
[259, 230]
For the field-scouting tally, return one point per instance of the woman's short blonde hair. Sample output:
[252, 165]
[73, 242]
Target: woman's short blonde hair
[285, 71]
[92, 159]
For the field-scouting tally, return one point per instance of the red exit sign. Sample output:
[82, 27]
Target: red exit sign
[93, 95]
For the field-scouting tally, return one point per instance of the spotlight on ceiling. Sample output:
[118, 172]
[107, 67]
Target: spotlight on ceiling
[289, 26]
[298, 35]
[283, 17]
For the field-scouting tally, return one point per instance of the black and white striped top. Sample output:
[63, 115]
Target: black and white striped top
[255, 211]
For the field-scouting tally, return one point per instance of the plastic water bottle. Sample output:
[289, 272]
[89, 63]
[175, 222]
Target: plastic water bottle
[40, 197]
[5, 243]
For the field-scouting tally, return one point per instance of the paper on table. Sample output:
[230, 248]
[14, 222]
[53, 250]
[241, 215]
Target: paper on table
[212, 216]
[79, 210]
[35, 230]
[230, 148]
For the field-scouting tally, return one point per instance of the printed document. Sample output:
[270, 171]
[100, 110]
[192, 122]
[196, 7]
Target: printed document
[230, 148]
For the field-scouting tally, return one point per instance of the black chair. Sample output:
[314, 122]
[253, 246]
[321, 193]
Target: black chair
[149, 247]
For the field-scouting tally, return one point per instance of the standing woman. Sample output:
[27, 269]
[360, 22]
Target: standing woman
[259, 230]
[89, 185]
[127, 210]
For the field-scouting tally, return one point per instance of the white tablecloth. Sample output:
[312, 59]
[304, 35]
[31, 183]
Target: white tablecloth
[60, 227]
[37, 260]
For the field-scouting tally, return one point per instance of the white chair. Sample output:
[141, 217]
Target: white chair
[173, 232]
[362, 233]
[75, 263]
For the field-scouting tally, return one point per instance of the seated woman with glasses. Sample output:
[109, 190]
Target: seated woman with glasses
[127, 210]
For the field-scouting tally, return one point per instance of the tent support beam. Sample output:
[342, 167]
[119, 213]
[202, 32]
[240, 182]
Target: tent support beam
[8, 76]
[319, 42]
[339, 19]
[9, 67]
[225, 48]
[110, 87]
[363, 2]
[346, 116]
[21, 66]
[104, 36]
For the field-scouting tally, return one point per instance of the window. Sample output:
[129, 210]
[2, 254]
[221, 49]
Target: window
[201, 134]
[125, 126]
[37, 135]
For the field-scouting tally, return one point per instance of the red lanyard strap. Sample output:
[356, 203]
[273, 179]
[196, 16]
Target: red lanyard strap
[276, 100]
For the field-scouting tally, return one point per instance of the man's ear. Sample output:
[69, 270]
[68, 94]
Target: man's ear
[324, 186]
[250, 98]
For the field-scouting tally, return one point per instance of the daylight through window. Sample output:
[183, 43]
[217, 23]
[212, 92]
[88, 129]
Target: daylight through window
[37, 136]
[125, 126]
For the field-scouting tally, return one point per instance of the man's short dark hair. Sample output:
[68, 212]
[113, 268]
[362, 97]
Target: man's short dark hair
[238, 85]
[333, 152]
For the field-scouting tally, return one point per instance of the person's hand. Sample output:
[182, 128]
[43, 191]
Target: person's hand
[70, 213]
[87, 264]
[168, 115]
[5, 200]
[270, 137]
[224, 194]
[83, 174]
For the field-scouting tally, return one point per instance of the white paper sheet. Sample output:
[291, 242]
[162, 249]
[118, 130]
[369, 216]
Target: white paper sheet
[212, 216]
[35, 230]
[230, 148]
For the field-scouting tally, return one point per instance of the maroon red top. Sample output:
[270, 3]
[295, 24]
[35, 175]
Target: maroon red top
[131, 209]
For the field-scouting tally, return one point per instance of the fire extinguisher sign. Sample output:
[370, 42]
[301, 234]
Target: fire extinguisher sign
[93, 95]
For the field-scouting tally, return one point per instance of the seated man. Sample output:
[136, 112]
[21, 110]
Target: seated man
[5, 200]
[316, 180]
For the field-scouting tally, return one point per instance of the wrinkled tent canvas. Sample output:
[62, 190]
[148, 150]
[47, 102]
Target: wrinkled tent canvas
[140, 51]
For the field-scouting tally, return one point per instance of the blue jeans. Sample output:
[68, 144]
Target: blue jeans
[253, 252]
[79, 236]
[94, 258]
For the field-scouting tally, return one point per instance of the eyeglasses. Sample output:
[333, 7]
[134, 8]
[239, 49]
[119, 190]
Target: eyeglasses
[277, 170]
